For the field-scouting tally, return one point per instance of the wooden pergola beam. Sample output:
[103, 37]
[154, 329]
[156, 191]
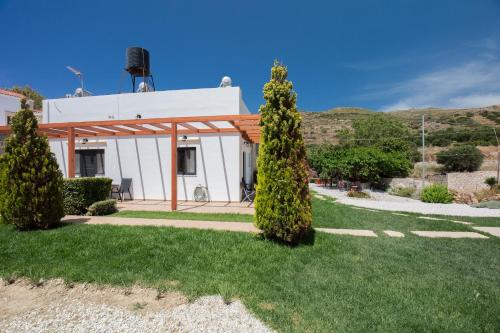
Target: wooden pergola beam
[165, 127]
[71, 152]
[189, 127]
[212, 126]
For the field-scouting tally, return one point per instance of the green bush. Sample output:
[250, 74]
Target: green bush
[491, 182]
[80, 193]
[403, 191]
[30, 179]
[282, 202]
[436, 193]
[104, 207]
[358, 194]
[461, 158]
[366, 164]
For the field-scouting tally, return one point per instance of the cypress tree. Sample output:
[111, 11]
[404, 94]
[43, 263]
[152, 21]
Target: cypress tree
[30, 179]
[282, 202]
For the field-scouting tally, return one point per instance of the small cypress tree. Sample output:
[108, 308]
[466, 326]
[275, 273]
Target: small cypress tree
[282, 202]
[30, 179]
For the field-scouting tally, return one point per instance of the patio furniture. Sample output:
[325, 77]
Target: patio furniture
[200, 193]
[248, 193]
[123, 188]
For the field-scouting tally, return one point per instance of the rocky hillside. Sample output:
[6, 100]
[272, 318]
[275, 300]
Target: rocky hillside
[323, 126]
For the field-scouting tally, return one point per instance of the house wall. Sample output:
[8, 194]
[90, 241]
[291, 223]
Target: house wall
[8, 105]
[146, 159]
[158, 104]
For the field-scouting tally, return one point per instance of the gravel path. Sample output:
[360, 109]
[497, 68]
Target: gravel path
[55, 308]
[384, 201]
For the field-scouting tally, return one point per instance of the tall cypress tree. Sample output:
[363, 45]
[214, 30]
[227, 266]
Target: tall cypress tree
[30, 179]
[282, 202]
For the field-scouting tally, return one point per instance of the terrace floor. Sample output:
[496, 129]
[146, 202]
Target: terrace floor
[187, 206]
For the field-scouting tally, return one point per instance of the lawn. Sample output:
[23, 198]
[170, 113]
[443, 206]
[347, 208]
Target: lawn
[226, 217]
[338, 283]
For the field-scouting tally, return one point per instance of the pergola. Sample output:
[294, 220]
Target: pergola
[245, 125]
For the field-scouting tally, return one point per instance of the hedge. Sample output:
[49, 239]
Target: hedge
[104, 207]
[80, 193]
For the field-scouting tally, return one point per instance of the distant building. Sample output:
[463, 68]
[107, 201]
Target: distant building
[10, 103]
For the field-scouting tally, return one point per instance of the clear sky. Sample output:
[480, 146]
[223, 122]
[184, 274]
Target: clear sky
[373, 53]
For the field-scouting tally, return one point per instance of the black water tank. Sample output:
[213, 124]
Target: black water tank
[137, 61]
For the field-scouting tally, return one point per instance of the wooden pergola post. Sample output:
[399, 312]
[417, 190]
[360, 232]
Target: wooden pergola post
[173, 142]
[71, 152]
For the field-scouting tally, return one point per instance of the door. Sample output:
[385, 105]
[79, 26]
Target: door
[91, 162]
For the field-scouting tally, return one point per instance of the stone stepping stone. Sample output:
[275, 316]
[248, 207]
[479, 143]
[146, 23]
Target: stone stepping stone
[430, 218]
[351, 232]
[400, 214]
[449, 234]
[392, 233]
[320, 197]
[495, 231]
[461, 222]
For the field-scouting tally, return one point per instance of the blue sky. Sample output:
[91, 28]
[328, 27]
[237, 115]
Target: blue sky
[376, 54]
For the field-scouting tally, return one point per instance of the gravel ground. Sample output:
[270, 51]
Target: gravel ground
[384, 201]
[57, 311]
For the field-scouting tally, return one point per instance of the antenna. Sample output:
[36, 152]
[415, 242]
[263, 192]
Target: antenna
[77, 73]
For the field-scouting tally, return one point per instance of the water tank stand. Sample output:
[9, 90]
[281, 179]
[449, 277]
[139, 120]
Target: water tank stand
[146, 79]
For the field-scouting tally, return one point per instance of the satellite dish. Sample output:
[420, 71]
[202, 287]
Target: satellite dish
[226, 82]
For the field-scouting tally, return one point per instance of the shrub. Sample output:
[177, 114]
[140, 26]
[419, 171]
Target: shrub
[491, 182]
[104, 207]
[403, 191]
[358, 194]
[461, 158]
[366, 164]
[282, 202]
[30, 179]
[436, 193]
[80, 193]
[486, 194]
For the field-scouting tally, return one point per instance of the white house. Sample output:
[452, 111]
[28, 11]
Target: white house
[217, 161]
[10, 103]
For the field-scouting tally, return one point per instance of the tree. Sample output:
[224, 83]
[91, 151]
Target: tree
[282, 202]
[461, 158]
[30, 179]
[382, 132]
[367, 164]
[29, 93]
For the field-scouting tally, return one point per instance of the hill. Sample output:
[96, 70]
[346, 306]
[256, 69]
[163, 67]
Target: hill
[323, 126]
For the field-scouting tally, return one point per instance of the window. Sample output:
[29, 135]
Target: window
[8, 117]
[89, 162]
[186, 161]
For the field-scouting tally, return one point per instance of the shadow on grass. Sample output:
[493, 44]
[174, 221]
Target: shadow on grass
[307, 239]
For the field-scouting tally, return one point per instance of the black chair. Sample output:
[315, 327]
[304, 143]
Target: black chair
[248, 193]
[123, 188]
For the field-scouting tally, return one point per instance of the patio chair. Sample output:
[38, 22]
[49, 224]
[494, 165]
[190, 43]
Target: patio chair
[248, 193]
[123, 188]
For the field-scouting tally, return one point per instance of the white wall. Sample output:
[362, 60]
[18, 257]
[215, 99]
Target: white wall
[8, 104]
[146, 159]
[172, 103]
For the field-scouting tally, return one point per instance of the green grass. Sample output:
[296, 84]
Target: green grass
[225, 217]
[338, 283]
[328, 214]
